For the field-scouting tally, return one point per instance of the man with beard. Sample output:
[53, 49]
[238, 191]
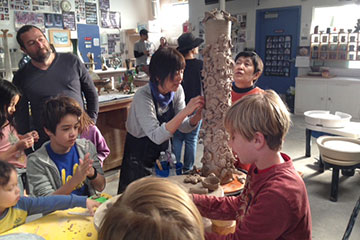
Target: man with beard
[47, 75]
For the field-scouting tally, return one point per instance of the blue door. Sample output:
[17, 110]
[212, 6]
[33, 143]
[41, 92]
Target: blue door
[277, 40]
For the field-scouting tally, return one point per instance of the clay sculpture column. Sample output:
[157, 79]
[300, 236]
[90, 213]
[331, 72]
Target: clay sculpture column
[218, 77]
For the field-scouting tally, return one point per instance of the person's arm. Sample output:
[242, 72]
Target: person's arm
[221, 208]
[21, 145]
[102, 148]
[99, 182]
[138, 54]
[195, 104]
[268, 218]
[90, 92]
[36, 205]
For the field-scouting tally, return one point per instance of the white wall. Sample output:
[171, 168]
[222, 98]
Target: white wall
[132, 13]
[198, 8]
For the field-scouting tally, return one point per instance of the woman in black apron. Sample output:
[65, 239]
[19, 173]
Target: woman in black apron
[157, 111]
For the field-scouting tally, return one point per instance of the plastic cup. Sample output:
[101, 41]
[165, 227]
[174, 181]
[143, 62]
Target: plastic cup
[162, 173]
[179, 167]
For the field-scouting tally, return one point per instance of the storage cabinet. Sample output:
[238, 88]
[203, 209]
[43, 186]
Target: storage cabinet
[334, 94]
[335, 46]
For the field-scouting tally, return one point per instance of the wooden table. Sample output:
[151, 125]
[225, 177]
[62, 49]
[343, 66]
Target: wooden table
[111, 122]
[61, 225]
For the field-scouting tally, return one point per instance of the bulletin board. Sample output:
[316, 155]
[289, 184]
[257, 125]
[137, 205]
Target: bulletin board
[89, 41]
[277, 55]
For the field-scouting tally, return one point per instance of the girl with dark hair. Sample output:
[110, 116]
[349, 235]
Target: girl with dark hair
[157, 111]
[12, 144]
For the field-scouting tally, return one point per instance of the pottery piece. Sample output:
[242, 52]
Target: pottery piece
[218, 76]
[325, 119]
[339, 148]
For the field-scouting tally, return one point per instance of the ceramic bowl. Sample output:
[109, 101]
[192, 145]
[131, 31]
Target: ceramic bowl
[339, 148]
[325, 119]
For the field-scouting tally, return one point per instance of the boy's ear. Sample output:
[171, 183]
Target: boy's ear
[48, 132]
[259, 140]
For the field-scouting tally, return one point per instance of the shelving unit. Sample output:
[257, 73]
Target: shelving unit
[335, 46]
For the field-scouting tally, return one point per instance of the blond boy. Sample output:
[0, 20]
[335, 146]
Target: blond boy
[274, 203]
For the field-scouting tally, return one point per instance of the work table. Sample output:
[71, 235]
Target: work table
[113, 110]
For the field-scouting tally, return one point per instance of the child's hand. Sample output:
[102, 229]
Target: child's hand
[85, 168]
[24, 143]
[92, 205]
[33, 134]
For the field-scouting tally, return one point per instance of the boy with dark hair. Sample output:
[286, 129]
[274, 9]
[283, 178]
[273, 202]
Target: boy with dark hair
[14, 209]
[65, 164]
[274, 203]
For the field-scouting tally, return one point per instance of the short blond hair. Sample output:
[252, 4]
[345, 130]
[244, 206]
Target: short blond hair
[152, 208]
[265, 113]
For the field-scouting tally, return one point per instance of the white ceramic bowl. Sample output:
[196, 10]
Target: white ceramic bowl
[339, 148]
[325, 119]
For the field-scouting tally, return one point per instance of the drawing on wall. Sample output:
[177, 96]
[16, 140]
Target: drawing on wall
[238, 33]
[80, 11]
[91, 13]
[22, 18]
[104, 5]
[277, 55]
[53, 20]
[56, 6]
[4, 10]
[110, 19]
[69, 20]
[20, 5]
[59, 38]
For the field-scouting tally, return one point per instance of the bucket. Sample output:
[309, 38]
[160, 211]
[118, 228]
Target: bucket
[179, 167]
[162, 173]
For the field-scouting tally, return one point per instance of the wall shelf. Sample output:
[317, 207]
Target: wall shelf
[335, 46]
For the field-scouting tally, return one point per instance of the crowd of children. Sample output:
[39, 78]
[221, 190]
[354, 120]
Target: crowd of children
[273, 205]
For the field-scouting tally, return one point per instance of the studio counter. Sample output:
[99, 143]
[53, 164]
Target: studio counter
[113, 111]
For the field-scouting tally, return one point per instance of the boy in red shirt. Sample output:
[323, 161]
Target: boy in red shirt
[274, 203]
[248, 68]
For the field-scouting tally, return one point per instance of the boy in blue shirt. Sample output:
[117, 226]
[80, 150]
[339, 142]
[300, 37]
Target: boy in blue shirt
[14, 209]
[65, 164]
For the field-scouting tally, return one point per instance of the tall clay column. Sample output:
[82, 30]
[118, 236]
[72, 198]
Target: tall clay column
[218, 77]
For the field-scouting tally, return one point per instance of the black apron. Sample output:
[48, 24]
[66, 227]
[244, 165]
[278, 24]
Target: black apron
[140, 154]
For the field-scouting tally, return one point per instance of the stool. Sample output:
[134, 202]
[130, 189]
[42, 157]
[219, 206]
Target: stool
[335, 177]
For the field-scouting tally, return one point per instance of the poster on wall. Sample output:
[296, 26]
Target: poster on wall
[277, 55]
[69, 20]
[53, 20]
[113, 43]
[238, 33]
[23, 5]
[31, 18]
[110, 19]
[104, 5]
[4, 10]
[90, 13]
[80, 11]
[56, 6]
[41, 5]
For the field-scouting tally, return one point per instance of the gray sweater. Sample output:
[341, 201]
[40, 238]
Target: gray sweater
[142, 119]
[44, 176]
